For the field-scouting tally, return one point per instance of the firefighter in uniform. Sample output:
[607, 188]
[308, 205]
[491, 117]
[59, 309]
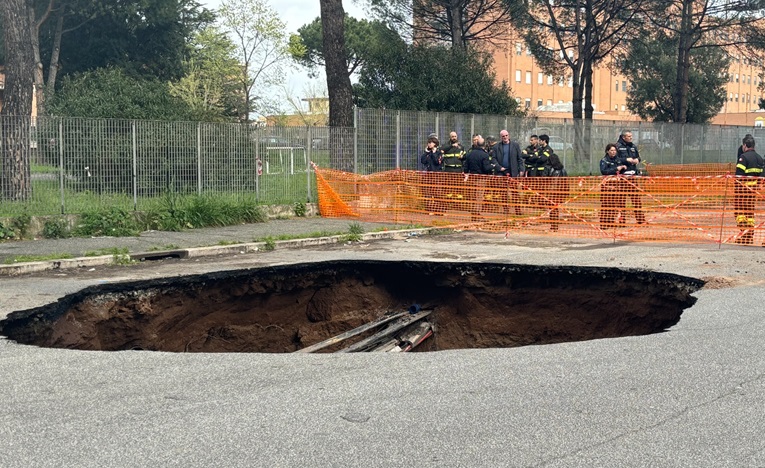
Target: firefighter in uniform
[453, 156]
[750, 164]
[528, 152]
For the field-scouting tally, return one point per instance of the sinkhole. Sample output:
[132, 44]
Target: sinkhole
[288, 308]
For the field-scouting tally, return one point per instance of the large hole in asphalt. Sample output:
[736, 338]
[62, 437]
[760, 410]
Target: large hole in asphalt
[287, 308]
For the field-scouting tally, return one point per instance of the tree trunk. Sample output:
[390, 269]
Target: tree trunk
[680, 101]
[53, 68]
[39, 79]
[455, 25]
[338, 84]
[17, 108]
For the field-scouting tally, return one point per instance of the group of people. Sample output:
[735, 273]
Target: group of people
[621, 158]
[491, 157]
[505, 158]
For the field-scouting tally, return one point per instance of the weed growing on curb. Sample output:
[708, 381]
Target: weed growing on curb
[354, 233]
[270, 243]
[37, 258]
[57, 228]
[300, 209]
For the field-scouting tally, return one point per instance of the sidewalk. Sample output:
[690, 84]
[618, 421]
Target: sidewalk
[184, 244]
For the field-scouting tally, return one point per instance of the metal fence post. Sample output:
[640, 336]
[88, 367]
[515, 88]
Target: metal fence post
[61, 163]
[438, 131]
[199, 158]
[135, 170]
[258, 163]
[398, 139]
[682, 142]
[355, 139]
[472, 125]
[309, 146]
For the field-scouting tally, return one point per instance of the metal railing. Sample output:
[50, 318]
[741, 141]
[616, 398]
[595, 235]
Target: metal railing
[73, 165]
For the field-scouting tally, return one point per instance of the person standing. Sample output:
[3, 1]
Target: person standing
[477, 162]
[509, 161]
[454, 154]
[558, 188]
[612, 198]
[540, 160]
[528, 152]
[629, 156]
[432, 159]
[749, 164]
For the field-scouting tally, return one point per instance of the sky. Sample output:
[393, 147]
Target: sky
[296, 13]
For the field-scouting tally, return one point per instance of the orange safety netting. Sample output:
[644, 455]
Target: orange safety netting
[709, 209]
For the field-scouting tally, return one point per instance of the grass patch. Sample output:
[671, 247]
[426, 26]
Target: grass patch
[56, 228]
[270, 244]
[37, 258]
[175, 212]
[108, 251]
[355, 231]
[164, 247]
[309, 235]
[227, 242]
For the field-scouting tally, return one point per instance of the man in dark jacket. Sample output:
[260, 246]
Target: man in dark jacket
[627, 154]
[749, 165]
[432, 160]
[476, 162]
[528, 152]
[509, 160]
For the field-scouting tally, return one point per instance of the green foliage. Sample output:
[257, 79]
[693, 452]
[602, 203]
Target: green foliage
[355, 231]
[21, 224]
[208, 86]
[56, 228]
[144, 38]
[6, 232]
[433, 78]
[37, 258]
[186, 212]
[300, 209]
[652, 66]
[109, 93]
[112, 221]
[363, 40]
[270, 243]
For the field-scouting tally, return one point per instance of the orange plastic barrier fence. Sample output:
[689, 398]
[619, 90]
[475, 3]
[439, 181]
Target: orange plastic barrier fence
[705, 209]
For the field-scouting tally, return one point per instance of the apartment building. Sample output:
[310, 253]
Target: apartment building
[548, 96]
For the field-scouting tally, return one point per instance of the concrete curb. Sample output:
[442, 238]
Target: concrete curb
[196, 252]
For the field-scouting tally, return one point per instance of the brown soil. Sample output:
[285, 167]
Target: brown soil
[283, 309]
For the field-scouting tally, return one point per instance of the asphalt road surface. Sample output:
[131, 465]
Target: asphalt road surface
[693, 396]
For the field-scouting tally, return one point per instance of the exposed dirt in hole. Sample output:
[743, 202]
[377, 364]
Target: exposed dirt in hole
[285, 308]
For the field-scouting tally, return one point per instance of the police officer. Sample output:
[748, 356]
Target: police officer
[749, 164]
[627, 154]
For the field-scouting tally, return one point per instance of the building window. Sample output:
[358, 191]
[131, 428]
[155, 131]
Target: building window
[624, 86]
[560, 81]
[540, 78]
[617, 85]
[518, 48]
[539, 103]
[518, 76]
[518, 100]
[748, 79]
[528, 51]
[736, 77]
[549, 102]
[570, 81]
[528, 103]
[736, 97]
[528, 77]
[549, 80]
[622, 108]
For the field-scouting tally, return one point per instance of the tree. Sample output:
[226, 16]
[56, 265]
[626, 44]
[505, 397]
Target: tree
[652, 67]
[209, 86]
[362, 39]
[736, 25]
[145, 37]
[572, 36]
[455, 22]
[110, 93]
[424, 79]
[261, 47]
[17, 106]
